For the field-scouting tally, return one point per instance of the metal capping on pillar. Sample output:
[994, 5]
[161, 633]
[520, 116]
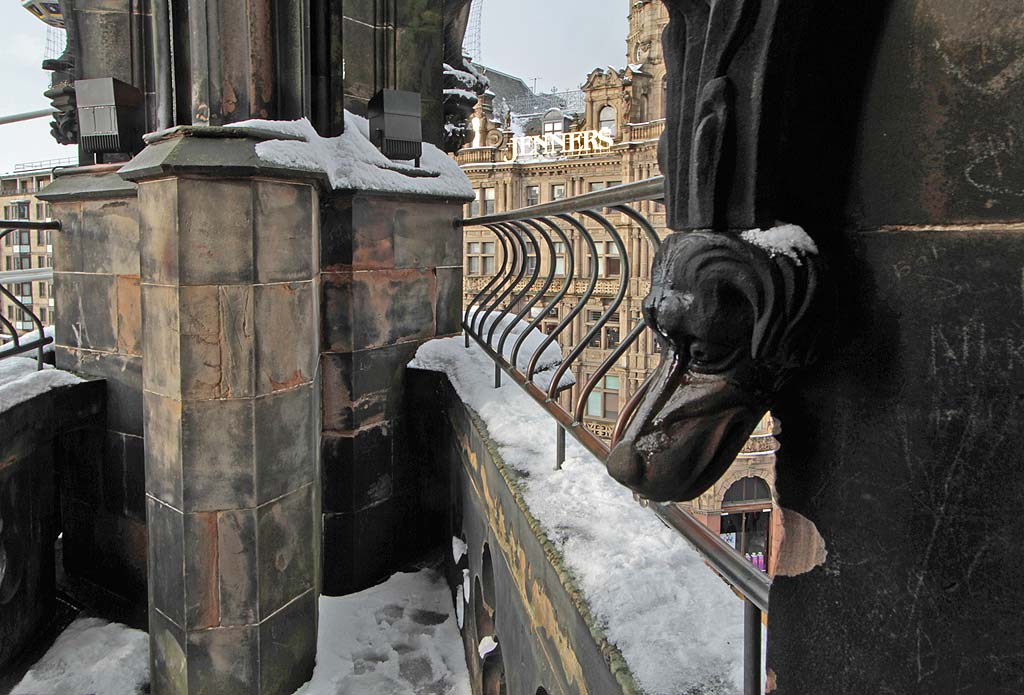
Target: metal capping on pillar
[499, 298]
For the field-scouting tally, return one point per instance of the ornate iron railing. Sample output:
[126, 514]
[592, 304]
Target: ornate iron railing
[37, 340]
[505, 318]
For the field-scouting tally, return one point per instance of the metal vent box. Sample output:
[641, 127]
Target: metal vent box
[396, 124]
[110, 115]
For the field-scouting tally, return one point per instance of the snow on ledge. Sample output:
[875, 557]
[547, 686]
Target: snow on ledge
[786, 239]
[678, 626]
[351, 162]
[21, 381]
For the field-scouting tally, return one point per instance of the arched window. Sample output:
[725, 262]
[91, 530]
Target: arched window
[607, 120]
[749, 490]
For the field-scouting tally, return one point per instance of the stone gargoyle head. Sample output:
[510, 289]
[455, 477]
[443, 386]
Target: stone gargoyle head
[735, 316]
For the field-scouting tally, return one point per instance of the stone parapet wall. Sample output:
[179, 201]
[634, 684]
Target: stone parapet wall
[41, 441]
[518, 588]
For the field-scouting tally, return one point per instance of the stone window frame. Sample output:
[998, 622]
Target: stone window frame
[480, 257]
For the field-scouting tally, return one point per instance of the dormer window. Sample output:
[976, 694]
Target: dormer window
[554, 122]
[607, 120]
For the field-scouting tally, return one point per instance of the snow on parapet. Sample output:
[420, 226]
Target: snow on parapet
[351, 162]
[786, 239]
[20, 380]
[678, 626]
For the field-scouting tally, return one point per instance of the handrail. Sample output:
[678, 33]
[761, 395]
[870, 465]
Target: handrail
[568, 217]
[40, 340]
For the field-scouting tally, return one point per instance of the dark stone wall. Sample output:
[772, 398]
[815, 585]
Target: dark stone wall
[39, 446]
[902, 445]
[391, 278]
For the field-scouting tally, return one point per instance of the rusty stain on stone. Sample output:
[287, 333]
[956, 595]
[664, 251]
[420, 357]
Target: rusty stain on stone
[294, 380]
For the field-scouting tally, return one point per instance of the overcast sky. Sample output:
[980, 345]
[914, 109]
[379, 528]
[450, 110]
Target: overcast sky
[556, 41]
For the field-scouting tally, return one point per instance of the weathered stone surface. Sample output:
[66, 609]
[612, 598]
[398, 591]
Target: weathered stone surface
[238, 574]
[449, 301]
[223, 660]
[217, 337]
[336, 318]
[286, 353]
[215, 232]
[283, 231]
[285, 450]
[218, 470]
[163, 448]
[166, 560]
[113, 226]
[168, 667]
[288, 646]
[123, 375]
[393, 306]
[89, 319]
[162, 339]
[129, 315]
[356, 469]
[158, 231]
[286, 560]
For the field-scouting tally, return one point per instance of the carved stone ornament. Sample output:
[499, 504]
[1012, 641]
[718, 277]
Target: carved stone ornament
[735, 319]
[462, 82]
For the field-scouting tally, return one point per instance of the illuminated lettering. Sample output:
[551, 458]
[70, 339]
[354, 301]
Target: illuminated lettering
[554, 145]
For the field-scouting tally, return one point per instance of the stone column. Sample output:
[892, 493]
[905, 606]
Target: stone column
[230, 331]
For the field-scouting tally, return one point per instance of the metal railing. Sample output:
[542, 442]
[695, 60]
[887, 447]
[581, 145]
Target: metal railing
[38, 340]
[505, 318]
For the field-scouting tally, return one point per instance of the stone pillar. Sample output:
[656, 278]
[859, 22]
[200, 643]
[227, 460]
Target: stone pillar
[98, 333]
[229, 296]
[392, 279]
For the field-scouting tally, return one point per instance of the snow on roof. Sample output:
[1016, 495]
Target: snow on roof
[785, 239]
[678, 626]
[20, 380]
[351, 162]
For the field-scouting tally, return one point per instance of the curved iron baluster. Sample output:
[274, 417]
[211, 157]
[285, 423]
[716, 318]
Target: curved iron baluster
[42, 340]
[517, 245]
[584, 298]
[612, 309]
[519, 230]
[566, 284]
[628, 411]
[526, 290]
[495, 296]
[466, 323]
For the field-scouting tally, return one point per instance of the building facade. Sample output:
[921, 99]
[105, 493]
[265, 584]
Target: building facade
[25, 249]
[571, 146]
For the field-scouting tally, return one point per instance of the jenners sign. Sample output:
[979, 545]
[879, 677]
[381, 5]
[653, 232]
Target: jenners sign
[556, 145]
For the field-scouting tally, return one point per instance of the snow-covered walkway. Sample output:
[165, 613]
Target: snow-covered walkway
[397, 638]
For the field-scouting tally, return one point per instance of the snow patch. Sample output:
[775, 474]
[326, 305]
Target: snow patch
[459, 548]
[487, 645]
[91, 656]
[20, 380]
[397, 638]
[679, 627]
[786, 239]
[352, 162]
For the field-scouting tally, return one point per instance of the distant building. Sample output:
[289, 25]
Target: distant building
[26, 249]
[537, 148]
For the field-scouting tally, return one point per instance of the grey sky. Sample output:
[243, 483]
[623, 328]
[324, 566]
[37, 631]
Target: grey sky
[557, 41]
